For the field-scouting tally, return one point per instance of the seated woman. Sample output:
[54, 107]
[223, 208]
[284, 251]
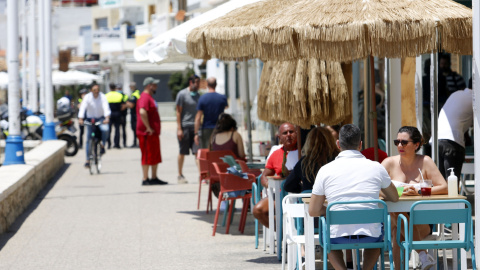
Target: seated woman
[319, 149]
[404, 170]
[226, 137]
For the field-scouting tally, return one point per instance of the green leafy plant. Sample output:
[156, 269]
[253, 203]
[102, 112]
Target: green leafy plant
[179, 81]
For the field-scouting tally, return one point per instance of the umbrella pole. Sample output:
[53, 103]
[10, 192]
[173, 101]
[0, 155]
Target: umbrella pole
[373, 110]
[249, 120]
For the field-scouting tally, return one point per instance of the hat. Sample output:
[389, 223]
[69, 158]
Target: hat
[83, 91]
[118, 86]
[150, 80]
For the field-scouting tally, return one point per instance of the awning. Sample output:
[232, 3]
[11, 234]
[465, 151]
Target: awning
[171, 46]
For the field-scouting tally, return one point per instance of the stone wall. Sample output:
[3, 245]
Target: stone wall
[20, 184]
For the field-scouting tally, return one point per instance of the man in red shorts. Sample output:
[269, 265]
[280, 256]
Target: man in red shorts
[148, 132]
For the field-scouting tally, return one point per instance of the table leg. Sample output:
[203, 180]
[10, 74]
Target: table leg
[463, 253]
[309, 241]
[271, 214]
[454, 251]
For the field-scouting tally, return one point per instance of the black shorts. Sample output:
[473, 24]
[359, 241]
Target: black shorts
[188, 142]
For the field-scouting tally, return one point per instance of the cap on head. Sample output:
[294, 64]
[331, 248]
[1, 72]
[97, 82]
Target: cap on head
[83, 91]
[119, 86]
[150, 80]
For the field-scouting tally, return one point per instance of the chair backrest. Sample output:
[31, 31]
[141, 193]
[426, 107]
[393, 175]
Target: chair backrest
[255, 194]
[293, 210]
[230, 182]
[441, 216]
[360, 216]
[202, 160]
[214, 156]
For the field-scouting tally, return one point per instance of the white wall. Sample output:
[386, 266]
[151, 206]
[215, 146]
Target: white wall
[68, 21]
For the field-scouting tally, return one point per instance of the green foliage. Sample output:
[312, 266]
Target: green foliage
[179, 81]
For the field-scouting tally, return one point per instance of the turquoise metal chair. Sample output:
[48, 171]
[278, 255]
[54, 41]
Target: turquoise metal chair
[440, 216]
[345, 217]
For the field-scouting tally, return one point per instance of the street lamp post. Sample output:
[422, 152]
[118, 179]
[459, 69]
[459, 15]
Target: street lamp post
[14, 153]
[32, 58]
[49, 129]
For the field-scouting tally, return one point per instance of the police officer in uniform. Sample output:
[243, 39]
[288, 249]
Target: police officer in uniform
[117, 105]
[123, 122]
[132, 104]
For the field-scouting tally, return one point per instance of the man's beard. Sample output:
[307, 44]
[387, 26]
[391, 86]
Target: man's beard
[154, 92]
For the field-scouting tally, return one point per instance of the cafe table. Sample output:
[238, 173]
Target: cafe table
[403, 205]
[274, 210]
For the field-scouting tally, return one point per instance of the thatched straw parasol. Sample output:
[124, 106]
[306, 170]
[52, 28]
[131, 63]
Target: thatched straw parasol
[304, 92]
[334, 30]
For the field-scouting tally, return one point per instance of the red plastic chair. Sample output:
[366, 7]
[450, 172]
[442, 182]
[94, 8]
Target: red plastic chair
[214, 156]
[245, 169]
[203, 164]
[229, 183]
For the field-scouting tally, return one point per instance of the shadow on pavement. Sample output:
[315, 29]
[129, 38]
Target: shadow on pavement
[5, 237]
[210, 217]
[265, 260]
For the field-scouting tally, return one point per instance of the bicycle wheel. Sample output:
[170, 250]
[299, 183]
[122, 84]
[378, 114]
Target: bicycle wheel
[98, 160]
[91, 156]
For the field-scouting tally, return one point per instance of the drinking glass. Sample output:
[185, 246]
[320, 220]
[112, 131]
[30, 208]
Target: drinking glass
[426, 187]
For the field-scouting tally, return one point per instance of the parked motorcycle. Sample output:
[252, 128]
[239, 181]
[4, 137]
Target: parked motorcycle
[32, 129]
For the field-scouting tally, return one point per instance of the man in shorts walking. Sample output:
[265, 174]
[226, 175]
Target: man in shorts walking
[148, 132]
[186, 105]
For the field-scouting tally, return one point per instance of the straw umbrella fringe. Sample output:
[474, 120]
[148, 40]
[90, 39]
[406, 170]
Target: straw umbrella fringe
[303, 92]
[334, 30]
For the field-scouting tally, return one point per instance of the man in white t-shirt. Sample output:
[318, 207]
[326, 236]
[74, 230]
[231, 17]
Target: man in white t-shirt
[352, 177]
[454, 120]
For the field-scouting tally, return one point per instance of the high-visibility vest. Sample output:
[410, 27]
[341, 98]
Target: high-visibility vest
[115, 99]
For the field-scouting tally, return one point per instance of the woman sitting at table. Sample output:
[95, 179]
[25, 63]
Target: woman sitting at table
[404, 169]
[226, 137]
[319, 149]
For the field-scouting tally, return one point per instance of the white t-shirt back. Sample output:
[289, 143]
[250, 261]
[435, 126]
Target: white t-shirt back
[352, 177]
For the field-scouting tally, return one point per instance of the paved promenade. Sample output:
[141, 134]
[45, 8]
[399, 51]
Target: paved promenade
[111, 221]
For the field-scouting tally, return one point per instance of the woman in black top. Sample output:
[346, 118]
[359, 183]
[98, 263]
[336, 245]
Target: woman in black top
[319, 149]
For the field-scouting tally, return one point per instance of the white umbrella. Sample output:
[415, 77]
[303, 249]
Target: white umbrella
[3, 80]
[171, 46]
[73, 77]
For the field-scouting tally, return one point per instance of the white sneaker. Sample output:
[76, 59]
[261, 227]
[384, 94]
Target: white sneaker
[427, 261]
[181, 180]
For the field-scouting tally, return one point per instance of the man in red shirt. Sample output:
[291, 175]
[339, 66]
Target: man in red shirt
[148, 132]
[275, 165]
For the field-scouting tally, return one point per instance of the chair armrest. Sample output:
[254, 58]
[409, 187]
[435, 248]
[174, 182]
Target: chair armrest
[401, 217]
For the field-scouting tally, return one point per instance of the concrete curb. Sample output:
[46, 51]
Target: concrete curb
[20, 184]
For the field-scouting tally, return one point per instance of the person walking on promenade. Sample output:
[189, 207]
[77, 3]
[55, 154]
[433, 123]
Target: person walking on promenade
[210, 106]
[186, 104]
[115, 100]
[132, 103]
[352, 177]
[148, 132]
[123, 118]
[95, 106]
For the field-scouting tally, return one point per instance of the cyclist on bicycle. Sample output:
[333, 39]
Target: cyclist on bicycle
[95, 106]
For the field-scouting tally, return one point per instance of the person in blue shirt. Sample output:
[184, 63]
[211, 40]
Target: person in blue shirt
[210, 106]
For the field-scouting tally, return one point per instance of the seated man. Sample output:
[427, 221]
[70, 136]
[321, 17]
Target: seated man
[278, 163]
[95, 106]
[352, 177]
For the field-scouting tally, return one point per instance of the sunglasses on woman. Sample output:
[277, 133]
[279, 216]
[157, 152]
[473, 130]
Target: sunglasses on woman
[403, 142]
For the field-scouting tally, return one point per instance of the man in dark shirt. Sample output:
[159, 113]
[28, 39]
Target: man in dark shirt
[210, 106]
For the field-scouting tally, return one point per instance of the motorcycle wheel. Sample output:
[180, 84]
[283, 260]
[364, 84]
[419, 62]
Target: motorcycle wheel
[72, 145]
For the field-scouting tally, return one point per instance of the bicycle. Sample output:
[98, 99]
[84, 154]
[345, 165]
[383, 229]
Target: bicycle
[94, 156]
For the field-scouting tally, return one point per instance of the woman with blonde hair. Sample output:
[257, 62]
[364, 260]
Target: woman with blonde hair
[319, 149]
